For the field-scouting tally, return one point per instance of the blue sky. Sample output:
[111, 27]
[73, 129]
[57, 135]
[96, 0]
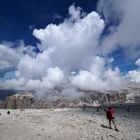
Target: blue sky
[107, 42]
[18, 18]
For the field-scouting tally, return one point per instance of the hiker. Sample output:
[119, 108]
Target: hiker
[110, 116]
[97, 109]
[84, 107]
[128, 110]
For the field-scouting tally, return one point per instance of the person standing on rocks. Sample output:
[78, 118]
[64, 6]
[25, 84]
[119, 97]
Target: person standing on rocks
[84, 107]
[97, 109]
[110, 116]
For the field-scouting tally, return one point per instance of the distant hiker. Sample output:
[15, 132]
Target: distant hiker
[84, 107]
[110, 116]
[97, 109]
[8, 112]
[0, 113]
[128, 110]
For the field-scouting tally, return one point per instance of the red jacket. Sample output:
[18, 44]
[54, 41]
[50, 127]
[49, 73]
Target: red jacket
[110, 113]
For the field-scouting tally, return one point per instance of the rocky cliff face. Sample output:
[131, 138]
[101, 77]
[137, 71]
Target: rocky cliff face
[133, 95]
[100, 98]
[10, 99]
[27, 100]
[19, 101]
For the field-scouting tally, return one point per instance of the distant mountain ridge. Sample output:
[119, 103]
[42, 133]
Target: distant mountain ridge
[18, 100]
[28, 100]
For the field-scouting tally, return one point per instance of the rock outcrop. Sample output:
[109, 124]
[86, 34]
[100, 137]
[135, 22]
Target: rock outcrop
[19, 101]
[27, 100]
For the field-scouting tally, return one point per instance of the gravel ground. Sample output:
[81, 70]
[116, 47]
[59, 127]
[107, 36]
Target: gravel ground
[67, 124]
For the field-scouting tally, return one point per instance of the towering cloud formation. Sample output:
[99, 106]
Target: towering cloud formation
[9, 58]
[124, 18]
[134, 75]
[70, 57]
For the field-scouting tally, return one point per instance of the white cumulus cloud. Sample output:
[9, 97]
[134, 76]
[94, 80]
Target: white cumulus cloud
[99, 77]
[126, 31]
[69, 58]
[134, 75]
